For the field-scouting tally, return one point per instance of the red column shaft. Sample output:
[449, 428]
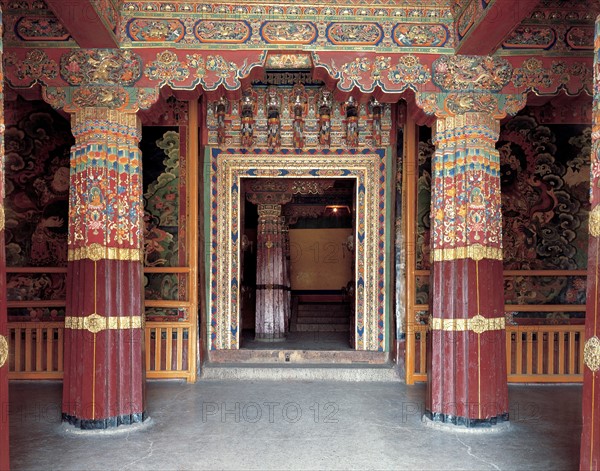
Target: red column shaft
[590, 435]
[4, 445]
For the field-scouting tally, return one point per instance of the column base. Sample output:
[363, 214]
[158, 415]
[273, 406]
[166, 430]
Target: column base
[103, 424]
[447, 421]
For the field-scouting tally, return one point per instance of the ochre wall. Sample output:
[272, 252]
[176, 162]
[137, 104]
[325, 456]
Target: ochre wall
[319, 259]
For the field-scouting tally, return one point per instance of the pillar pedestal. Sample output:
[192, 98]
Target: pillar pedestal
[103, 382]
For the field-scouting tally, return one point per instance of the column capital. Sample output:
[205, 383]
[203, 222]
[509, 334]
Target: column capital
[105, 201]
[100, 120]
[455, 103]
[466, 216]
[269, 211]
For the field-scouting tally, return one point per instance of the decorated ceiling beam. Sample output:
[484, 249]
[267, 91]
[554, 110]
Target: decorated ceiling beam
[388, 27]
[126, 79]
[482, 26]
[92, 23]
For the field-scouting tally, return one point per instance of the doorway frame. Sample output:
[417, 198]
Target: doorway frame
[368, 167]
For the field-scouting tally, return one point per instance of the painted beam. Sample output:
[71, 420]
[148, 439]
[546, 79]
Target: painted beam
[88, 26]
[492, 25]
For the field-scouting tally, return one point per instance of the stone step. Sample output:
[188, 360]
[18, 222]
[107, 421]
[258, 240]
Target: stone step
[323, 320]
[328, 307]
[285, 357]
[320, 327]
[322, 313]
[306, 372]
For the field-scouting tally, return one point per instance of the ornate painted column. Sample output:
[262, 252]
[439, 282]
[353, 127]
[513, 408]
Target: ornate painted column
[271, 296]
[4, 447]
[104, 338]
[590, 435]
[467, 361]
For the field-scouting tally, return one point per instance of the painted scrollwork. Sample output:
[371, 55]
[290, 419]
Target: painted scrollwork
[100, 67]
[475, 73]
[37, 67]
[167, 69]
[460, 103]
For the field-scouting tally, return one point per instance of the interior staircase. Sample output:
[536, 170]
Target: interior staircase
[320, 316]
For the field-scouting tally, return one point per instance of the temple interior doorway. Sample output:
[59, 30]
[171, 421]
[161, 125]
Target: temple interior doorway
[298, 264]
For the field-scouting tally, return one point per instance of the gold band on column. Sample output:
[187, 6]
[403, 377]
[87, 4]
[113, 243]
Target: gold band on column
[97, 252]
[95, 323]
[591, 353]
[2, 218]
[594, 221]
[3, 350]
[475, 252]
[477, 324]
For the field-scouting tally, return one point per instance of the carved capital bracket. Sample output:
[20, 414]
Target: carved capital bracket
[444, 104]
[113, 97]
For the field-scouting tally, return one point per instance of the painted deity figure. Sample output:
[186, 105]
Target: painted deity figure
[351, 110]
[325, 119]
[298, 112]
[375, 109]
[247, 124]
[220, 112]
[273, 120]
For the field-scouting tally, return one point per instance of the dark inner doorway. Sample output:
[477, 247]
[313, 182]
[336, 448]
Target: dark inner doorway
[321, 264]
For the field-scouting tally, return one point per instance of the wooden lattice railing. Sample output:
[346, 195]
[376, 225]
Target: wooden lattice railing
[36, 350]
[534, 353]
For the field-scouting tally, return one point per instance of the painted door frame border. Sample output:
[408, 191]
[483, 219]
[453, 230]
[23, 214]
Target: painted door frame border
[368, 167]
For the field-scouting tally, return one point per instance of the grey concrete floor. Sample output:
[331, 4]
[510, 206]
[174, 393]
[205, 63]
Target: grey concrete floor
[295, 425]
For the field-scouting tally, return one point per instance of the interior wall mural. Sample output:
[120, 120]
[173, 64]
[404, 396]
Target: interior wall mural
[545, 206]
[163, 157]
[36, 205]
[37, 184]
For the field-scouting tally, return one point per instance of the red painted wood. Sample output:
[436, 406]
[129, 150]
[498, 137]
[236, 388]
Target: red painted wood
[467, 378]
[590, 435]
[497, 22]
[105, 378]
[83, 23]
[4, 444]
[590, 432]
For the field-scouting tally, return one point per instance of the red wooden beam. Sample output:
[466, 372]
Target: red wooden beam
[84, 23]
[495, 24]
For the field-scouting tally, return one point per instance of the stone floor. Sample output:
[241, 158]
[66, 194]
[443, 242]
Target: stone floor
[295, 425]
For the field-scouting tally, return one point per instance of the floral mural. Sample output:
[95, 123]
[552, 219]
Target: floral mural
[164, 217]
